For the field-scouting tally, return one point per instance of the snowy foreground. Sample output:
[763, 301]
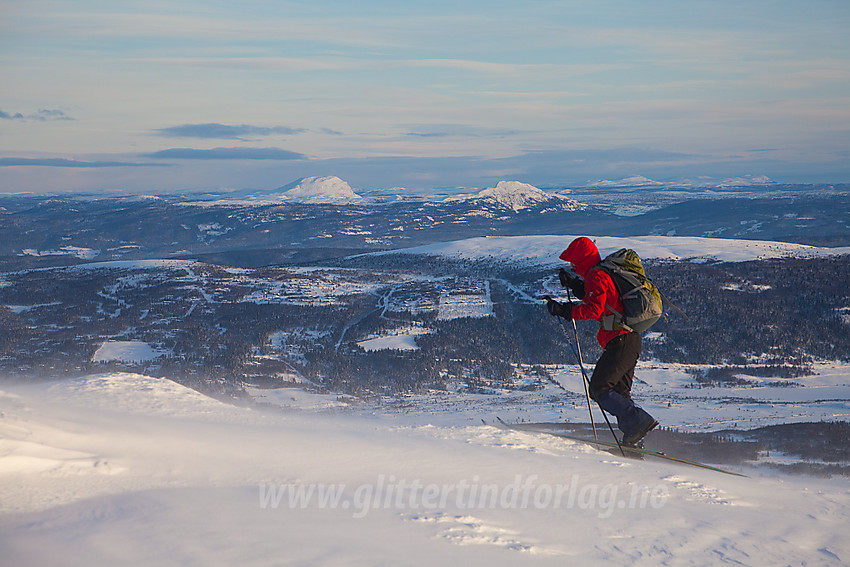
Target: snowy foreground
[128, 470]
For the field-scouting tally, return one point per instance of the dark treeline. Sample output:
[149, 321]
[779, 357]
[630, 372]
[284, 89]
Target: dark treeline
[786, 309]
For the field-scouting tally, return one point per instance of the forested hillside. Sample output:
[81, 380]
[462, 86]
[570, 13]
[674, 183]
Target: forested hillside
[476, 325]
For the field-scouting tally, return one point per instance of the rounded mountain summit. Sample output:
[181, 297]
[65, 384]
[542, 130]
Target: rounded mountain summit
[319, 190]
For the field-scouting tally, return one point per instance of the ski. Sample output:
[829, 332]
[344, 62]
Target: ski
[635, 452]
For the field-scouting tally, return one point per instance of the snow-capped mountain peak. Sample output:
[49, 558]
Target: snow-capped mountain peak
[319, 190]
[517, 196]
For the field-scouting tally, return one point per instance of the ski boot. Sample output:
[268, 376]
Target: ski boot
[633, 421]
[643, 424]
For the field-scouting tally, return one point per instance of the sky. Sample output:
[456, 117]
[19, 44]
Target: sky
[156, 96]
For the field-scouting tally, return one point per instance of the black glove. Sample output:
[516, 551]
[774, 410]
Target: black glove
[557, 309]
[574, 283]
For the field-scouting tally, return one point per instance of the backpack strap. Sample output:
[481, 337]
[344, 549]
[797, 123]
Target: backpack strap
[616, 319]
[671, 304]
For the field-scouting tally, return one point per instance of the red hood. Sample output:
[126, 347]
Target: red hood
[583, 254]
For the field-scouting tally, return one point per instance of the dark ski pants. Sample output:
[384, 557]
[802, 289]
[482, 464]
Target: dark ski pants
[615, 369]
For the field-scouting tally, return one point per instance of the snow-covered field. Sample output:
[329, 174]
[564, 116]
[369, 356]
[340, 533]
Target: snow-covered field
[123, 469]
[403, 338]
[544, 250]
[666, 390]
[126, 351]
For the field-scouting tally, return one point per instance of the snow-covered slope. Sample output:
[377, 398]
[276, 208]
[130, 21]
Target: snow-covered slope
[518, 196]
[130, 470]
[544, 250]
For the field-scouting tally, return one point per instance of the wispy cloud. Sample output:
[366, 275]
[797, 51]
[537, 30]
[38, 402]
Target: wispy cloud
[43, 115]
[471, 65]
[227, 153]
[227, 23]
[218, 131]
[61, 162]
[448, 130]
[7, 116]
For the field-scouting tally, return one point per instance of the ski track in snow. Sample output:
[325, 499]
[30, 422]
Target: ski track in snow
[126, 469]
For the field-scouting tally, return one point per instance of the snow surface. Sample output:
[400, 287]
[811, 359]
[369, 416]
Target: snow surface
[666, 390]
[126, 351]
[309, 286]
[403, 338]
[82, 253]
[123, 469]
[18, 309]
[544, 250]
[457, 305]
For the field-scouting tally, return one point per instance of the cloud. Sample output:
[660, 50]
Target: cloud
[625, 155]
[214, 130]
[61, 162]
[449, 130]
[227, 153]
[43, 115]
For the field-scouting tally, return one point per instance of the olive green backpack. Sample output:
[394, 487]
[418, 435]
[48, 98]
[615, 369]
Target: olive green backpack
[641, 298]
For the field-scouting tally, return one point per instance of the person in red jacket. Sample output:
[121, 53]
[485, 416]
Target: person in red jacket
[611, 382]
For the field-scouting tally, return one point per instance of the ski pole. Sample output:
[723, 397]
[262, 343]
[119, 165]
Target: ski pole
[577, 353]
[586, 393]
[587, 384]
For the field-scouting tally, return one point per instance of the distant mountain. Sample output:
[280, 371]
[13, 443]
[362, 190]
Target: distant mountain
[629, 182]
[319, 191]
[329, 190]
[746, 181]
[322, 217]
[519, 196]
[641, 182]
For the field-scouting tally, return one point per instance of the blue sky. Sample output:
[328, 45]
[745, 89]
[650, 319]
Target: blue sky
[161, 96]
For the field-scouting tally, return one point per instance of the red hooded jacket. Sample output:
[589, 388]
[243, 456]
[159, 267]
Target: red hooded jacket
[599, 288]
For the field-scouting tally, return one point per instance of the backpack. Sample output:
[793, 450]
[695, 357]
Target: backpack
[641, 298]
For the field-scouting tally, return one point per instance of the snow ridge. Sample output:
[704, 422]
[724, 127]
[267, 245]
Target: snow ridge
[633, 181]
[640, 181]
[543, 249]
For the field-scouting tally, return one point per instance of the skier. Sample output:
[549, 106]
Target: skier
[611, 382]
